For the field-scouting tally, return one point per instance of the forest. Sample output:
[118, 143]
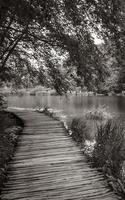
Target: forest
[50, 42]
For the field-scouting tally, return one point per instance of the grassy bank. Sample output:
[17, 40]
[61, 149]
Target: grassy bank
[102, 139]
[10, 127]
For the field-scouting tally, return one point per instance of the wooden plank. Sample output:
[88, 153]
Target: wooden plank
[47, 165]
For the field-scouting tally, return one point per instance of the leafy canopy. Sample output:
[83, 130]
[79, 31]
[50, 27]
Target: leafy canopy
[30, 28]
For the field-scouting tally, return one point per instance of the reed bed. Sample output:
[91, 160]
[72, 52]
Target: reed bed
[102, 138]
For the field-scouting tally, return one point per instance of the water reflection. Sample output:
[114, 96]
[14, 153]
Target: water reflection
[72, 105]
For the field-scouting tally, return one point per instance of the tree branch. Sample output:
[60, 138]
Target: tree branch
[11, 50]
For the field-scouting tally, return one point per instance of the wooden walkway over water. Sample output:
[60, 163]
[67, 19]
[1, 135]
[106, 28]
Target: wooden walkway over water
[48, 165]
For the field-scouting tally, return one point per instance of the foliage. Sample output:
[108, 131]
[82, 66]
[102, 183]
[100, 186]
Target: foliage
[109, 146]
[79, 130]
[29, 28]
[98, 114]
[3, 103]
[56, 74]
[85, 127]
[10, 127]
[106, 149]
[108, 153]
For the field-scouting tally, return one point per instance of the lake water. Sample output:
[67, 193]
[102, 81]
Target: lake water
[72, 105]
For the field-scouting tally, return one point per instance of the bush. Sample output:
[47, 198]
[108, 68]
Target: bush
[102, 139]
[109, 152]
[79, 130]
[10, 127]
[3, 102]
[84, 128]
[98, 114]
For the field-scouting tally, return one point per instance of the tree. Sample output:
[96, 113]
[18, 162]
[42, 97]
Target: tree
[34, 25]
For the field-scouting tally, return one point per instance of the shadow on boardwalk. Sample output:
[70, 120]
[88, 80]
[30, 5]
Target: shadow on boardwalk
[48, 166]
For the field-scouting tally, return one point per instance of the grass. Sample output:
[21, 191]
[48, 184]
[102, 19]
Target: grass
[98, 114]
[109, 153]
[102, 138]
[10, 127]
[80, 130]
[85, 127]
[109, 146]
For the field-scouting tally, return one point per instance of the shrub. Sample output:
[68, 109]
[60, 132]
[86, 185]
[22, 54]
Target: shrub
[109, 148]
[84, 128]
[98, 114]
[3, 102]
[103, 141]
[79, 130]
[10, 127]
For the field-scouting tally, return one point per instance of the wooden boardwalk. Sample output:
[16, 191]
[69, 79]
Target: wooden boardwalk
[48, 165]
